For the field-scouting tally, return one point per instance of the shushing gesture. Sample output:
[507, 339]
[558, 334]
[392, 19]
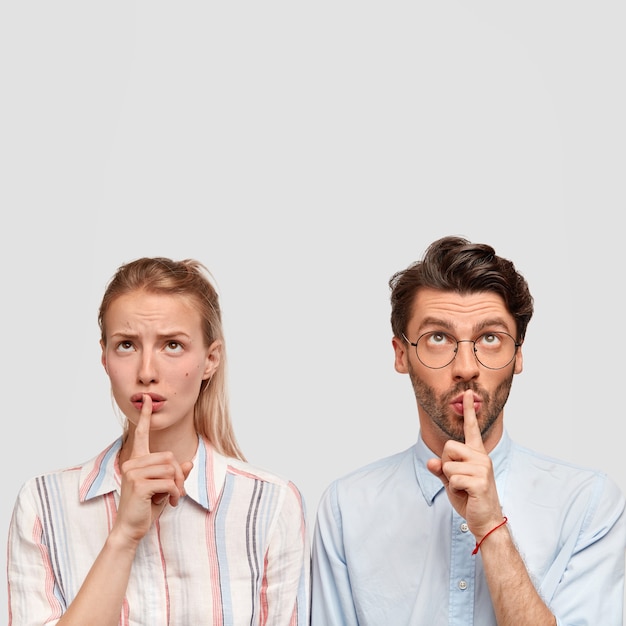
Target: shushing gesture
[466, 471]
[149, 480]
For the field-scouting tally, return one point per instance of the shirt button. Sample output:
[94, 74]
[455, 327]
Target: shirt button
[462, 585]
[464, 527]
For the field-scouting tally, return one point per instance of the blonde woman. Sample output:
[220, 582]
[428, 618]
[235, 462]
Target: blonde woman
[169, 524]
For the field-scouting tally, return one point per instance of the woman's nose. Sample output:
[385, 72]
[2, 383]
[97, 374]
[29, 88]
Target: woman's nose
[147, 370]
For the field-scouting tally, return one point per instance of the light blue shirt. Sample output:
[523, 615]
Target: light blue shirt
[389, 549]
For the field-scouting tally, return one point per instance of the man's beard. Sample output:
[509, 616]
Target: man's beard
[441, 414]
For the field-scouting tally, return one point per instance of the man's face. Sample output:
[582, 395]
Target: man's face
[438, 392]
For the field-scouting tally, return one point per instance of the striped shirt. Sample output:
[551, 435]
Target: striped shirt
[235, 551]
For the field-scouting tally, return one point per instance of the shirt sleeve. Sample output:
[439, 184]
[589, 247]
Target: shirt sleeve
[590, 588]
[286, 585]
[34, 597]
[331, 603]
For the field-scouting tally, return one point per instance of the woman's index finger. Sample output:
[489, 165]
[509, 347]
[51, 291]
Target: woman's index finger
[141, 438]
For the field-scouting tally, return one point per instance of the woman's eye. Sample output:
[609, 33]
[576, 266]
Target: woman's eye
[125, 346]
[173, 346]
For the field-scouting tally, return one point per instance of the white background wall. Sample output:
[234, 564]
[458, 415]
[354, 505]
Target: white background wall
[305, 152]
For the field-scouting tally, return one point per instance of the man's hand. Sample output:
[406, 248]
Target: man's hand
[466, 472]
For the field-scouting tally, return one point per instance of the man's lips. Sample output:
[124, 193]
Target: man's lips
[457, 404]
[157, 401]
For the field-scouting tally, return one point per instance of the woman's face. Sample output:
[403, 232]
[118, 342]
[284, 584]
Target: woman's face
[154, 345]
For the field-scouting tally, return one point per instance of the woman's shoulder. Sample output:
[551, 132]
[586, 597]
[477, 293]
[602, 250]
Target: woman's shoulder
[256, 472]
[72, 476]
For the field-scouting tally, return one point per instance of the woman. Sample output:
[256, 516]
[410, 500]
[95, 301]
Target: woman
[169, 524]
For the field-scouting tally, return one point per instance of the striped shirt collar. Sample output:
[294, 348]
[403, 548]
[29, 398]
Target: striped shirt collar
[101, 475]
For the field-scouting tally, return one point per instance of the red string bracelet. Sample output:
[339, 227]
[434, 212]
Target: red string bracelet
[506, 519]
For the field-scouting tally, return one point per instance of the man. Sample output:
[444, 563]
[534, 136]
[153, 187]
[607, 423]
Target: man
[466, 527]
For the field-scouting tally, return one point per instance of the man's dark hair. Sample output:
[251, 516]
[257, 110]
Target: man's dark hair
[455, 264]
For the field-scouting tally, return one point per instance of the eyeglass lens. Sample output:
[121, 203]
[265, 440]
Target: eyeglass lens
[493, 350]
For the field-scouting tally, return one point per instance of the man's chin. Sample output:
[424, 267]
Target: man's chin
[457, 434]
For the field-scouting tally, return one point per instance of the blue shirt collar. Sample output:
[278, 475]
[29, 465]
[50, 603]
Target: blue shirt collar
[430, 485]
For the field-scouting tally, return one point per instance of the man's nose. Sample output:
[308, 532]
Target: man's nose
[465, 364]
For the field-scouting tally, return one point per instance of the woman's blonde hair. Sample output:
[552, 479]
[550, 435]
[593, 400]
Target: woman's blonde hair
[190, 279]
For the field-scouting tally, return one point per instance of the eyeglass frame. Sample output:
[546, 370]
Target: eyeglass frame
[456, 349]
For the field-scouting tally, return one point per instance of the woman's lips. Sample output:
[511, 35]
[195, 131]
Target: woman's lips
[157, 401]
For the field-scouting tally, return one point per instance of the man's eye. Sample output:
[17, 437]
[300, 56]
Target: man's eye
[438, 338]
[490, 339]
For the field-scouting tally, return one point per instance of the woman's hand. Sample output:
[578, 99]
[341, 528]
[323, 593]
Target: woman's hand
[149, 481]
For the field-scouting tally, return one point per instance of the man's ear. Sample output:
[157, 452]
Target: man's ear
[401, 361]
[519, 361]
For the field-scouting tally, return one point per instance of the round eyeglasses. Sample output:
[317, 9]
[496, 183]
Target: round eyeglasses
[493, 350]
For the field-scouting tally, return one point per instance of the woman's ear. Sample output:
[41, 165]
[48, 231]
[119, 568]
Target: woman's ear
[103, 358]
[213, 358]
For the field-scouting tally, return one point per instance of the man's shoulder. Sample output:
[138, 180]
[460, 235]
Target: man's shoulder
[557, 478]
[379, 466]
[375, 478]
[543, 461]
